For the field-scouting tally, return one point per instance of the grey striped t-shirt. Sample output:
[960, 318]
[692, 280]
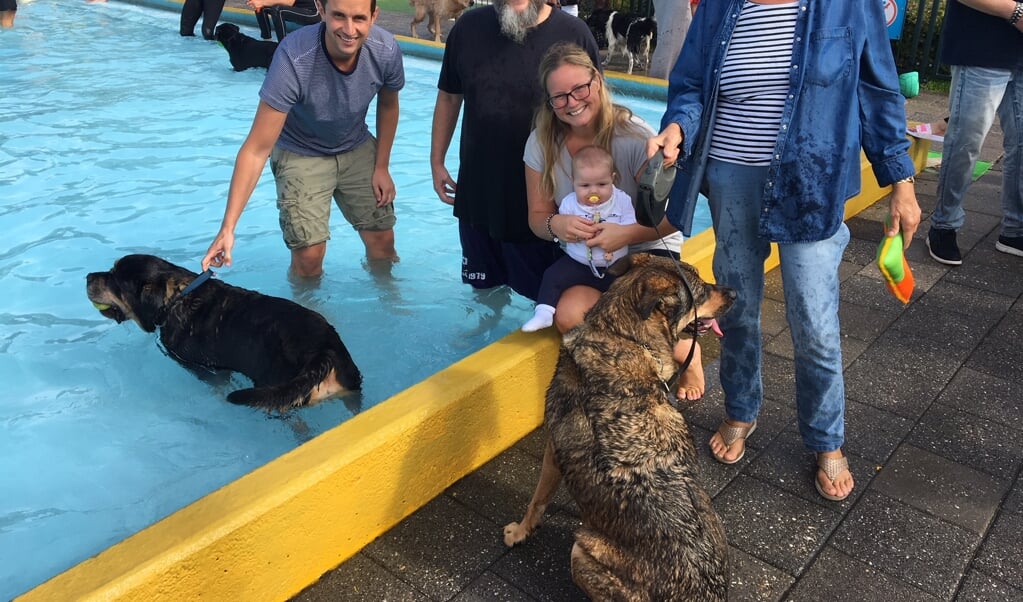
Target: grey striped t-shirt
[326, 107]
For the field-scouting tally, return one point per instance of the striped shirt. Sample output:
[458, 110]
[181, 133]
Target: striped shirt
[754, 84]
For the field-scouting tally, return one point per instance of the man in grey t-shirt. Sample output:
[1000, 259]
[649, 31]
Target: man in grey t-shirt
[311, 123]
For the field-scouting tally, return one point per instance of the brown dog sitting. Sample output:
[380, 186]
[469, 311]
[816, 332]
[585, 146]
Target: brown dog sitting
[292, 354]
[625, 453]
[432, 11]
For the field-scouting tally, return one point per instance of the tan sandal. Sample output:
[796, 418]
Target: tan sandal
[729, 435]
[833, 468]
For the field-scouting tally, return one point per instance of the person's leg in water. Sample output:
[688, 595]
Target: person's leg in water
[191, 10]
[210, 15]
[8, 9]
[265, 28]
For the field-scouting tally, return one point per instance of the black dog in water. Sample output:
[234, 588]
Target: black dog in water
[245, 51]
[292, 354]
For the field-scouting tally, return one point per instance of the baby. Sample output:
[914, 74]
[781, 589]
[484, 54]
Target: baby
[596, 198]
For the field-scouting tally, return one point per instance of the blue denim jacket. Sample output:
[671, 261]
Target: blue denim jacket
[844, 96]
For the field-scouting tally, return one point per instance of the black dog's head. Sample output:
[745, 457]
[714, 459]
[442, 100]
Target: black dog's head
[225, 32]
[137, 288]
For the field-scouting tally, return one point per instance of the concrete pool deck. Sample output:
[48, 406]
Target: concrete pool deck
[934, 421]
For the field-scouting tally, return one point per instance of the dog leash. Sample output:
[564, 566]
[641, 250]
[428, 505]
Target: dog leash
[199, 280]
[693, 328]
[194, 284]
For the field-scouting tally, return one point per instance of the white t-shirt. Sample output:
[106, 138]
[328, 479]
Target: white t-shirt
[618, 210]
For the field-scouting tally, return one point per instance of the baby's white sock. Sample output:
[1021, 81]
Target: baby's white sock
[543, 316]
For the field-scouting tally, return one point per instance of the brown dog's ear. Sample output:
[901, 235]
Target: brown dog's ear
[651, 293]
[648, 302]
[627, 263]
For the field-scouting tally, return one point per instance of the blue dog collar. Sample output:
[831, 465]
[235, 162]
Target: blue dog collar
[199, 280]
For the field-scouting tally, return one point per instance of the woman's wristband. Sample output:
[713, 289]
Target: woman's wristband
[554, 237]
[1017, 13]
[908, 180]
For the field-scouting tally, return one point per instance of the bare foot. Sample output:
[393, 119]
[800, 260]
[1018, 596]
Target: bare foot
[729, 454]
[838, 487]
[691, 383]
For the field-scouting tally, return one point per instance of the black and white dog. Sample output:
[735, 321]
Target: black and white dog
[628, 34]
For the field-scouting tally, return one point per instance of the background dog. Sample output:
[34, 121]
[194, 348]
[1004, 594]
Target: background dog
[245, 52]
[292, 354]
[434, 11]
[624, 452]
[630, 35]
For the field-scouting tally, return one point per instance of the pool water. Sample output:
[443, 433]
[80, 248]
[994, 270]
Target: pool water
[119, 137]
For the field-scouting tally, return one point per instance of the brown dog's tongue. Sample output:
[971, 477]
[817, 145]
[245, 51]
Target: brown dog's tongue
[715, 328]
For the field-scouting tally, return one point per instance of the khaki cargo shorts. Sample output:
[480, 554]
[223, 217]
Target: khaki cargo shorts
[305, 186]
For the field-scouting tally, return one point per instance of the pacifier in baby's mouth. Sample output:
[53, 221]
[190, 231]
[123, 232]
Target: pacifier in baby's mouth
[593, 198]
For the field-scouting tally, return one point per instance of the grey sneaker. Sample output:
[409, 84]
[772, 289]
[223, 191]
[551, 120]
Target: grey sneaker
[1013, 245]
[942, 245]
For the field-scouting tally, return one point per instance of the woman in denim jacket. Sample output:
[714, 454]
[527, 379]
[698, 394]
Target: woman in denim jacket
[769, 105]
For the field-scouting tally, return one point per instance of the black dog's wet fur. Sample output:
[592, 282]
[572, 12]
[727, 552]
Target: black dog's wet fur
[624, 452]
[285, 349]
[245, 52]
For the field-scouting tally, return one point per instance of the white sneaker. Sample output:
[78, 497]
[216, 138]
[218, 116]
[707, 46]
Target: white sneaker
[543, 317]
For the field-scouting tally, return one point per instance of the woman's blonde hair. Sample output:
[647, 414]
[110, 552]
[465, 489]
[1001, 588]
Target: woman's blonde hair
[551, 131]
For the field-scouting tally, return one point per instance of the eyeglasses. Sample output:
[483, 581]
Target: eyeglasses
[580, 92]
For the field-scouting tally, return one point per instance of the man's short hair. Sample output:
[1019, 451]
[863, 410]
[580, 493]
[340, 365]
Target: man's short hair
[322, 4]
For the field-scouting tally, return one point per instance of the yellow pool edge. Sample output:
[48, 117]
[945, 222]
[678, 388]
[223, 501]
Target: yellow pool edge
[275, 531]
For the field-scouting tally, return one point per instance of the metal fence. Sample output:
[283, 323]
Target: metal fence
[917, 50]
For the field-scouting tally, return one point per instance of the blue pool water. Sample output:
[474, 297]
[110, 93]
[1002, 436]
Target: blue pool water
[118, 137]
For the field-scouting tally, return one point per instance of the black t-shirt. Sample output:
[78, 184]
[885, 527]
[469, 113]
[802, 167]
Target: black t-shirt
[499, 80]
[976, 39]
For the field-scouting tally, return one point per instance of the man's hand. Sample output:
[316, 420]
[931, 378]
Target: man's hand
[443, 185]
[219, 253]
[383, 186]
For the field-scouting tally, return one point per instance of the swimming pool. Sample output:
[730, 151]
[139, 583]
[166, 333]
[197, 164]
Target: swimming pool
[102, 156]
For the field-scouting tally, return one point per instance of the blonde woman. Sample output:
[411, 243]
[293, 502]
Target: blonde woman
[578, 112]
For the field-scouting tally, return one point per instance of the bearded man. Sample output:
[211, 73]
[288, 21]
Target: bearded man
[491, 63]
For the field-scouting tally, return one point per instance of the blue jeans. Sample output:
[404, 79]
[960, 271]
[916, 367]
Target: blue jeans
[976, 96]
[810, 277]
